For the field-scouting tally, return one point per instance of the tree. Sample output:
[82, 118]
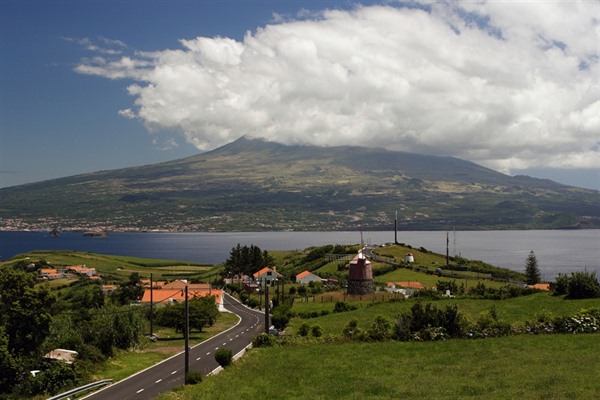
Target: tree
[247, 260]
[203, 312]
[24, 311]
[129, 291]
[532, 272]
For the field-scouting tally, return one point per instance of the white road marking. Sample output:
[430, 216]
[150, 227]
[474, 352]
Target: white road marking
[198, 358]
[140, 391]
[173, 373]
[158, 381]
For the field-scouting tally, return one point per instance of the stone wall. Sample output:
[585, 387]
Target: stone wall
[360, 287]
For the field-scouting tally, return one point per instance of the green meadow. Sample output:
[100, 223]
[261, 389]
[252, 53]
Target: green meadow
[516, 367]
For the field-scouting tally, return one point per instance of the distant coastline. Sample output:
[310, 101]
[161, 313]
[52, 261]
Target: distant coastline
[558, 251]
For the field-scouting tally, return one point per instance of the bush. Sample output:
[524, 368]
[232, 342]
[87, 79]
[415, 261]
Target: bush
[429, 323]
[351, 331]
[560, 285]
[193, 377]
[488, 325]
[304, 329]
[583, 285]
[342, 306]
[442, 286]
[263, 340]
[252, 303]
[317, 331]
[380, 330]
[224, 357]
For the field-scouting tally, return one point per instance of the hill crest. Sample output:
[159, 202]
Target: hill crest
[251, 185]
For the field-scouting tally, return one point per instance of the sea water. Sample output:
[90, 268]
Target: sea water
[557, 251]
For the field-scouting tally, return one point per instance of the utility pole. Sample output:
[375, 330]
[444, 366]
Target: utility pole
[447, 249]
[266, 307]
[187, 333]
[396, 228]
[151, 306]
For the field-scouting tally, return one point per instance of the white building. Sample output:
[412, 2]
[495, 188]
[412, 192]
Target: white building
[306, 277]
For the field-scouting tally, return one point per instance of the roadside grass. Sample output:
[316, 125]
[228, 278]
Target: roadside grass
[126, 363]
[526, 367]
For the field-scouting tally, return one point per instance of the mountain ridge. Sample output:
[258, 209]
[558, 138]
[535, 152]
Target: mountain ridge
[252, 184]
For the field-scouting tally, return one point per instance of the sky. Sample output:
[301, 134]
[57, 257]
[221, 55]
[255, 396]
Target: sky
[98, 85]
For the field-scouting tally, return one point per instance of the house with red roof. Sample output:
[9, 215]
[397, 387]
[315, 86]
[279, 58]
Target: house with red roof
[267, 275]
[49, 273]
[541, 286]
[306, 277]
[166, 296]
[405, 288]
[81, 270]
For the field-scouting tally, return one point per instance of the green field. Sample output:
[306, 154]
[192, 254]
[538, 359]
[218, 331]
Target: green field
[115, 267]
[520, 367]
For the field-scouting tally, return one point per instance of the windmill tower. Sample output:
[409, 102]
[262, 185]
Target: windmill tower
[360, 277]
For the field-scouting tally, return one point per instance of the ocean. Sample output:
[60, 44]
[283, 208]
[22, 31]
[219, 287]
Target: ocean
[557, 251]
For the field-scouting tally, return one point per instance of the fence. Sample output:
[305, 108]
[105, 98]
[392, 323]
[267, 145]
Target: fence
[83, 388]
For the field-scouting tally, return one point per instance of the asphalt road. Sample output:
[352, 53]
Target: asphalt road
[169, 373]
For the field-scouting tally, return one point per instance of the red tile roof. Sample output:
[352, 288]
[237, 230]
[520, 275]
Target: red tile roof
[166, 295]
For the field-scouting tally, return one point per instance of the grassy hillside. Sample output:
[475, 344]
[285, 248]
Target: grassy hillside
[113, 267]
[528, 367]
[555, 366]
[251, 185]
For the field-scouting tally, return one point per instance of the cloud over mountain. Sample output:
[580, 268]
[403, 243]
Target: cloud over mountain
[507, 85]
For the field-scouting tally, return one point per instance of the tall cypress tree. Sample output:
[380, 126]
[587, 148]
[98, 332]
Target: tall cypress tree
[532, 271]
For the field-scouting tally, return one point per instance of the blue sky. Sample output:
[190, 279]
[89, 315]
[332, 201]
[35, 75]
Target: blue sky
[97, 85]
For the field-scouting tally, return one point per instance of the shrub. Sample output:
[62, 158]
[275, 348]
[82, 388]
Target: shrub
[442, 286]
[402, 327]
[560, 285]
[488, 325]
[281, 315]
[429, 323]
[583, 285]
[317, 331]
[263, 340]
[193, 377]
[351, 331]
[252, 303]
[224, 357]
[304, 329]
[380, 330]
[342, 306]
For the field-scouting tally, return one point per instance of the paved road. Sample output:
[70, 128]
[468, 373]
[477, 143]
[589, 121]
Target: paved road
[168, 374]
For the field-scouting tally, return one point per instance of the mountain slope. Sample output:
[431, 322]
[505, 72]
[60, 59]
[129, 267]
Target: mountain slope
[257, 185]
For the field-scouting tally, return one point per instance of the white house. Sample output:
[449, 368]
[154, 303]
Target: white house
[267, 275]
[307, 277]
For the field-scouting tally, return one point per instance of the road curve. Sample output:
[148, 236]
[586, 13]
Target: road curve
[169, 373]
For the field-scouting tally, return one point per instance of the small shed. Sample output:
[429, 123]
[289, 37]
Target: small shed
[409, 258]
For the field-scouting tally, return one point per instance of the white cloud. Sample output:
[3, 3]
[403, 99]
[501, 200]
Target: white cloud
[508, 85]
